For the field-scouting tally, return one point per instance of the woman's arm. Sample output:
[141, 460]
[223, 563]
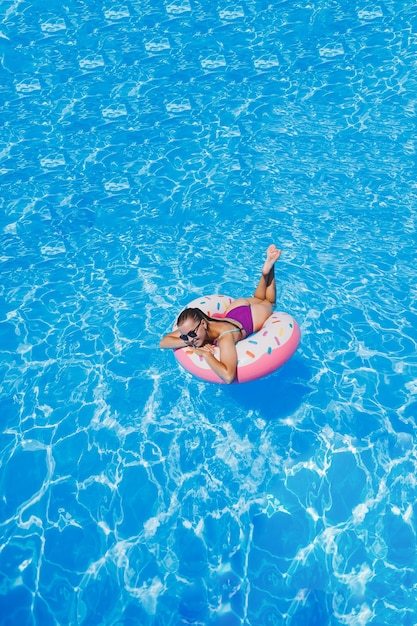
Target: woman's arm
[227, 365]
[173, 341]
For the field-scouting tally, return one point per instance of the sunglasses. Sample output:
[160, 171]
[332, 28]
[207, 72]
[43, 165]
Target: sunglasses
[192, 334]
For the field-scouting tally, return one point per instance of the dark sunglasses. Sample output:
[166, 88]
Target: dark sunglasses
[192, 334]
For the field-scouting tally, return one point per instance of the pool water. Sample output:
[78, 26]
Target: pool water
[150, 152]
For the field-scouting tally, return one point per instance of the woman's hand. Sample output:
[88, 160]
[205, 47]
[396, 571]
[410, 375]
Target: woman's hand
[207, 348]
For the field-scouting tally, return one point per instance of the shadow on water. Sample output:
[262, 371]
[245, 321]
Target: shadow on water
[277, 396]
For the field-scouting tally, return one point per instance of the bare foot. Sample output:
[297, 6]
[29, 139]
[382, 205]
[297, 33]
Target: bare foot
[272, 255]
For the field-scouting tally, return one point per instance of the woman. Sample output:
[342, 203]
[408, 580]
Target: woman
[243, 317]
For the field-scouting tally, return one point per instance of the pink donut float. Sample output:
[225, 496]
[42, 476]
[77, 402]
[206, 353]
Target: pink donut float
[259, 354]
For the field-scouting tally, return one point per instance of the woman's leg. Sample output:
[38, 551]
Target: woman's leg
[263, 301]
[266, 289]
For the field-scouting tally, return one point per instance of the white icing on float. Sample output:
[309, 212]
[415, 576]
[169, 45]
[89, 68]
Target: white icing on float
[258, 355]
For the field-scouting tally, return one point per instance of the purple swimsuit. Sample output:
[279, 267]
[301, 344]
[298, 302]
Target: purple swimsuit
[243, 315]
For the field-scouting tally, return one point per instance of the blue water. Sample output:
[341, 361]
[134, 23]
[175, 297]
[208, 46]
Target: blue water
[150, 152]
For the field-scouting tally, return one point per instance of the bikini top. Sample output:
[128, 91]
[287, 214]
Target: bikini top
[232, 330]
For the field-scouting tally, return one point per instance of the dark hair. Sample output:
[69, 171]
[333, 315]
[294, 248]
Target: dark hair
[194, 314]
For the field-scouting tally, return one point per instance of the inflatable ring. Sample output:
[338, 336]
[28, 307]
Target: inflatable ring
[260, 354]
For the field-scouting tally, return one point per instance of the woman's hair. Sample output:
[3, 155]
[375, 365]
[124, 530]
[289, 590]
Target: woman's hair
[194, 314]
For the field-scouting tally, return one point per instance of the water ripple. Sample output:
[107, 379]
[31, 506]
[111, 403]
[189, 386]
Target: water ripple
[150, 152]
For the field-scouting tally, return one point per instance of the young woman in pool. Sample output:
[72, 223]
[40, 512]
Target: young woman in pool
[244, 317]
